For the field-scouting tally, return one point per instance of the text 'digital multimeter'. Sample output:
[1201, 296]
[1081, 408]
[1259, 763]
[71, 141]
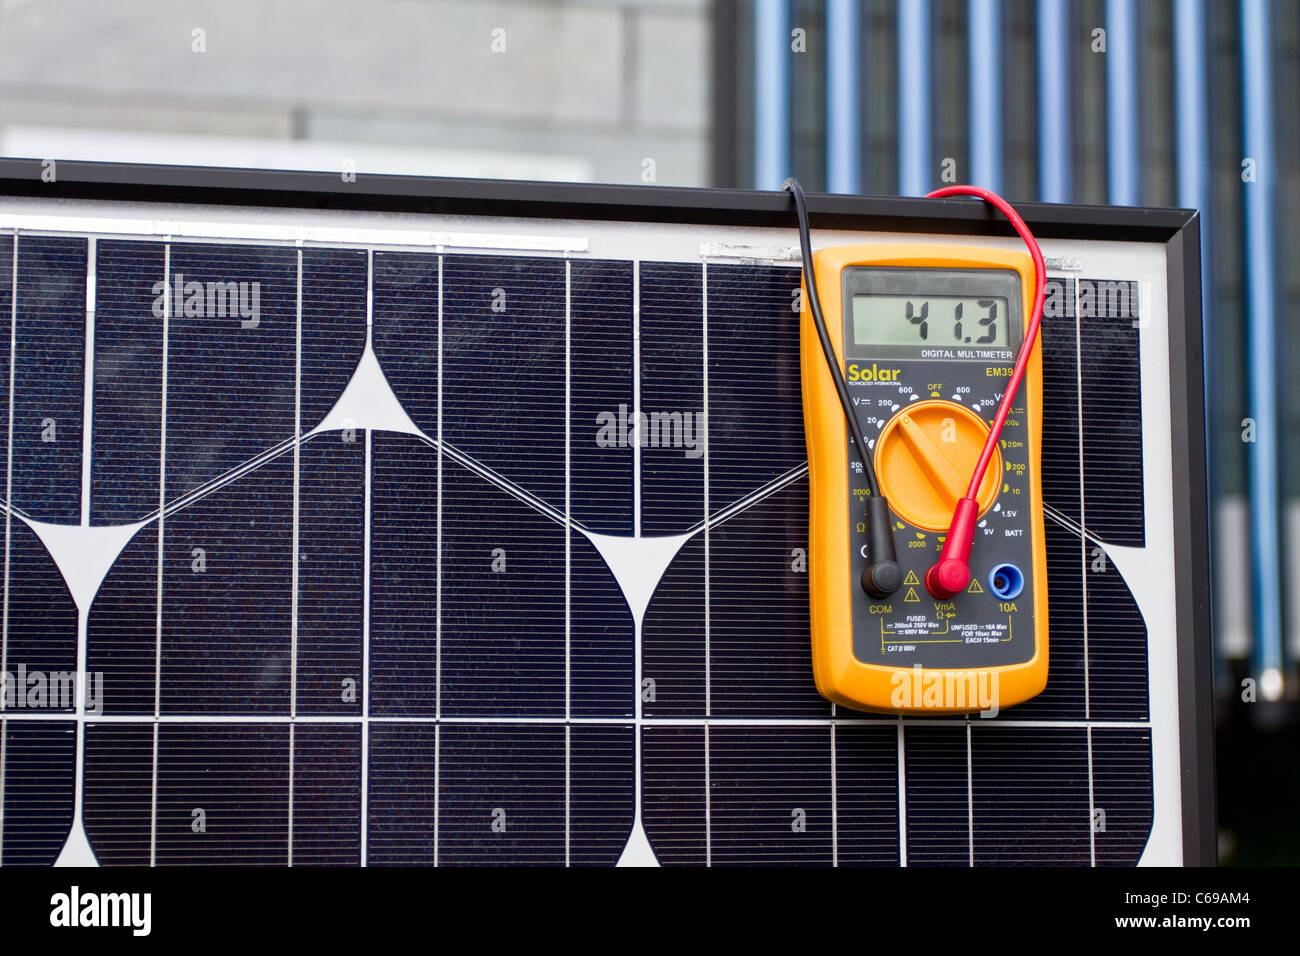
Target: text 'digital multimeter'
[926, 337]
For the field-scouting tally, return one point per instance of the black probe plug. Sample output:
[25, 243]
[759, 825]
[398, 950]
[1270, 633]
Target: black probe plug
[882, 576]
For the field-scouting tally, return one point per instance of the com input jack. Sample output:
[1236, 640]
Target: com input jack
[1006, 581]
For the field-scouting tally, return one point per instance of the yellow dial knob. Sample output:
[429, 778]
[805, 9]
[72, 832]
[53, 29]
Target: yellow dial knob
[924, 459]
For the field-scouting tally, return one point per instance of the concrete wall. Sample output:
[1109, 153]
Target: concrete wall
[570, 89]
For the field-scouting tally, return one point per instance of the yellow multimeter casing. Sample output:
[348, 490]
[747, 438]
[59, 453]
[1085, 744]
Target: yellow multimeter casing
[925, 405]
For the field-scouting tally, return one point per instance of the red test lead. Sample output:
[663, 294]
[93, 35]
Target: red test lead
[951, 573]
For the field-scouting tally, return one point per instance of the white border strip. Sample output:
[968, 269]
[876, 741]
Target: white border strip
[325, 235]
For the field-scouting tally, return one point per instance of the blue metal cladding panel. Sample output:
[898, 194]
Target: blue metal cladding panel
[1112, 411]
[755, 415]
[843, 110]
[866, 794]
[759, 648]
[673, 801]
[238, 776]
[39, 765]
[405, 332]
[672, 384]
[1030, 795]
[1122, 143]
[601, 402]
[771, 92]
[1061, 464]
[41, 625]
[672, 637]
[326, 794]
[230, 378]
[503, 367]
[503, 603]
[118, 803]
[404, 577]
[333, 328]
[602, 637]
[1054, 115]
[1121, 789]
[602, 792]
[226, 628]
[501, 795]
[914, 98]
[126, 462]
[402, 808]
[122, 631]
[985, 97]
[331, 573]
[770, 796]
[1117, 645]
[49, 378]
[938, 796]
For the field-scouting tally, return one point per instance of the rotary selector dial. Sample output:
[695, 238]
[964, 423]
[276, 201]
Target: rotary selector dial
[924, 458]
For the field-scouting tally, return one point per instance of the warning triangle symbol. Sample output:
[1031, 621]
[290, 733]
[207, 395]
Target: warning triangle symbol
[911, 597]
[911, 578]
[975, 587]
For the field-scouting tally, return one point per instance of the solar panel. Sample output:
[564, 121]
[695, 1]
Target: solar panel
[458, 537]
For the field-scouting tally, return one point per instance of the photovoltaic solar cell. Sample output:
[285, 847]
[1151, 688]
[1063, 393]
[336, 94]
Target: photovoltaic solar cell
[119, 799]
[503, 603]
[39, 757]
[938, 796]
[227, 596]
[503, 367]
[404, 577]
[866, 795]
[40, 626]
[406, 310]
[123, 628]
[1112, 420]
[48, 360]
[227, 784]
[325, 799]
[128, 382]
[769, 796]
[331, 571]
[758, 611]
[230, 378]
[1030, 796]
[755, 433]
[673, 638]
[601, 395]
[672, 384]
[333, 328]
[601, 647]
[6, 329]
[1121, 767]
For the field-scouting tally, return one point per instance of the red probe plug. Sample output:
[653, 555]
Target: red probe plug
[951, 573]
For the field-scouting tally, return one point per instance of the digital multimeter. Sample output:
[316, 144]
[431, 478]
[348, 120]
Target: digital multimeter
[926, 337]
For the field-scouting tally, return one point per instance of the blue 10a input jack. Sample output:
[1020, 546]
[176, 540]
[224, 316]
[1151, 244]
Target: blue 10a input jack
[1006, 581]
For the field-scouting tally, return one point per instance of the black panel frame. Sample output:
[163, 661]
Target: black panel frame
[1177, 229]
